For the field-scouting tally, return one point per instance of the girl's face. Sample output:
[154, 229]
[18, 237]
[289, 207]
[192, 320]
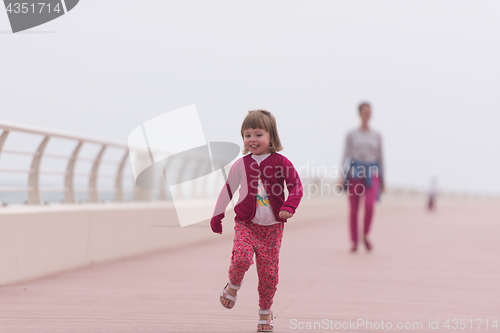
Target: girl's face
[256, 140]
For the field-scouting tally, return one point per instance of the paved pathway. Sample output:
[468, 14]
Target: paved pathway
[424, 268]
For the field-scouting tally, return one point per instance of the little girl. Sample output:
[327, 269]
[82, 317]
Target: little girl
[261, 210]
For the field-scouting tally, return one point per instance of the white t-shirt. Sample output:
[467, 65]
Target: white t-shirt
[264, 212]
[363, 146]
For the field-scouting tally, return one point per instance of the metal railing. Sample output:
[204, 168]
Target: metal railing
[34, 189]
[189, 166]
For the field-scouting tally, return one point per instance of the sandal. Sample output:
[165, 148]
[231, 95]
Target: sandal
[224, 294]
[268, 322]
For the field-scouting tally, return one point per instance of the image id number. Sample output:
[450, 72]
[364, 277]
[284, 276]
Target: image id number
[463, 324]
[40, 7]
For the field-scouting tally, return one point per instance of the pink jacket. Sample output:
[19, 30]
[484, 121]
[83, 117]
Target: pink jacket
[274, 171]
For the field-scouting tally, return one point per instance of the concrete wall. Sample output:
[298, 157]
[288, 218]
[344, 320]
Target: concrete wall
[40, 240]
[36, 241]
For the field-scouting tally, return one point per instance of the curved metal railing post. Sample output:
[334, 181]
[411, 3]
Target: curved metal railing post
[203, 170]
[180, 176]
[69, 189]
[93, 195]
[119, 176]
[165, 190]
[3, 137]
[33, 179]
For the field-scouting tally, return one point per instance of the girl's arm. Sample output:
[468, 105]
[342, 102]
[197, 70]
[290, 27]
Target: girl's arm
[225, 196]
[293, 185]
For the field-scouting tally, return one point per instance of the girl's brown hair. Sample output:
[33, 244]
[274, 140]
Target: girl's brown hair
[265, 120]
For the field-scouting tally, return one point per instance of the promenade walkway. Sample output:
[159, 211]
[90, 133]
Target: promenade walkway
[425, 268]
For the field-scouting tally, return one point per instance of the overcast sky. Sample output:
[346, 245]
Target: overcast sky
[430, 69]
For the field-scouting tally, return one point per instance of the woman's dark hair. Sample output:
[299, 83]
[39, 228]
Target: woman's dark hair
[361, 105]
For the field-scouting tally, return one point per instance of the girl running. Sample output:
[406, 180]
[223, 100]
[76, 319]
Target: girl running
[261, 210]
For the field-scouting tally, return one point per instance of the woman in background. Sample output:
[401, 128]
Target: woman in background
[363, 161]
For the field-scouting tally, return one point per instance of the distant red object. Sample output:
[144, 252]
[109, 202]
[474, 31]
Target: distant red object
[432, 194]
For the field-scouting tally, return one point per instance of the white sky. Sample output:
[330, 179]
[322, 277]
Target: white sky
[430, 68]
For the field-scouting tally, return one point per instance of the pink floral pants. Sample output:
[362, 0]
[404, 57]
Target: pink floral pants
[265, 242]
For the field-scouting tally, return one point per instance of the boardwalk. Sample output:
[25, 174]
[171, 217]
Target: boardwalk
[424, 268]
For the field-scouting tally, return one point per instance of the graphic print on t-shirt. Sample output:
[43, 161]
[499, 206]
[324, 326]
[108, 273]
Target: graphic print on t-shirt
[262, 199]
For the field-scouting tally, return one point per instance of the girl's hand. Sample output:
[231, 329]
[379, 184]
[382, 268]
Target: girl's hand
[220, 233]
[285, 215]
